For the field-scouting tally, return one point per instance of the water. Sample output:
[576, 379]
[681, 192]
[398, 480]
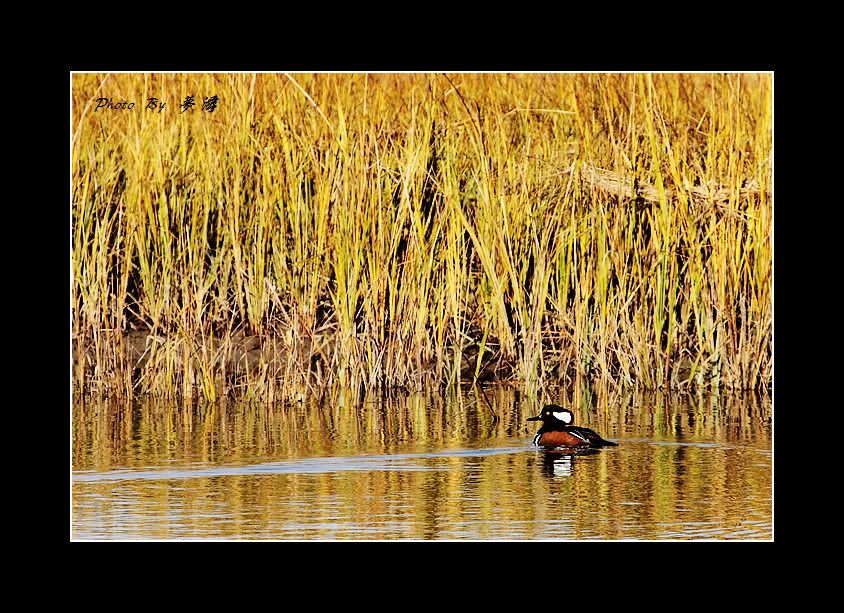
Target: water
[417, 467]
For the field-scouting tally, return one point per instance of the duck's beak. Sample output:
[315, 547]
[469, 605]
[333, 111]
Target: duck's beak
[537, 418]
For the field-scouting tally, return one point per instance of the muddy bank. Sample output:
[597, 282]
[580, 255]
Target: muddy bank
[242, 354]
[145, 360]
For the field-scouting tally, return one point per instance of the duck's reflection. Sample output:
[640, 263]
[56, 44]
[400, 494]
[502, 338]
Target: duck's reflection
[560, 462]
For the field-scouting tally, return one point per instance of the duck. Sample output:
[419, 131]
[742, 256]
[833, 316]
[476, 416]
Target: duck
[557, 430]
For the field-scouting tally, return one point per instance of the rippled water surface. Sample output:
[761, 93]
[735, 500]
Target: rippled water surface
[422, 467]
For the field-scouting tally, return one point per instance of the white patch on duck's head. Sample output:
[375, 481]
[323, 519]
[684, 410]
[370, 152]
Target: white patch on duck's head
[564, 416]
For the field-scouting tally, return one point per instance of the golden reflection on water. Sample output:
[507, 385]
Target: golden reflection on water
[422, 467]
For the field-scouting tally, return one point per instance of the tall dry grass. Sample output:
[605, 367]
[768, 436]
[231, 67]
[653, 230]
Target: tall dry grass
[373, 231]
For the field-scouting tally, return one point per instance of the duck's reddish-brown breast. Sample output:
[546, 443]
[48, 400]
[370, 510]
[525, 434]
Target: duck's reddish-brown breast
[561, 439]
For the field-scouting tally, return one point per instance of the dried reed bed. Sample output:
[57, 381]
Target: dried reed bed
[381, 231]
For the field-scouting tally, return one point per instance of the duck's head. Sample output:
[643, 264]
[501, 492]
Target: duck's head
[553, 414]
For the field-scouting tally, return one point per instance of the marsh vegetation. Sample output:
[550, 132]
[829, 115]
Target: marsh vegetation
[384, 231]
